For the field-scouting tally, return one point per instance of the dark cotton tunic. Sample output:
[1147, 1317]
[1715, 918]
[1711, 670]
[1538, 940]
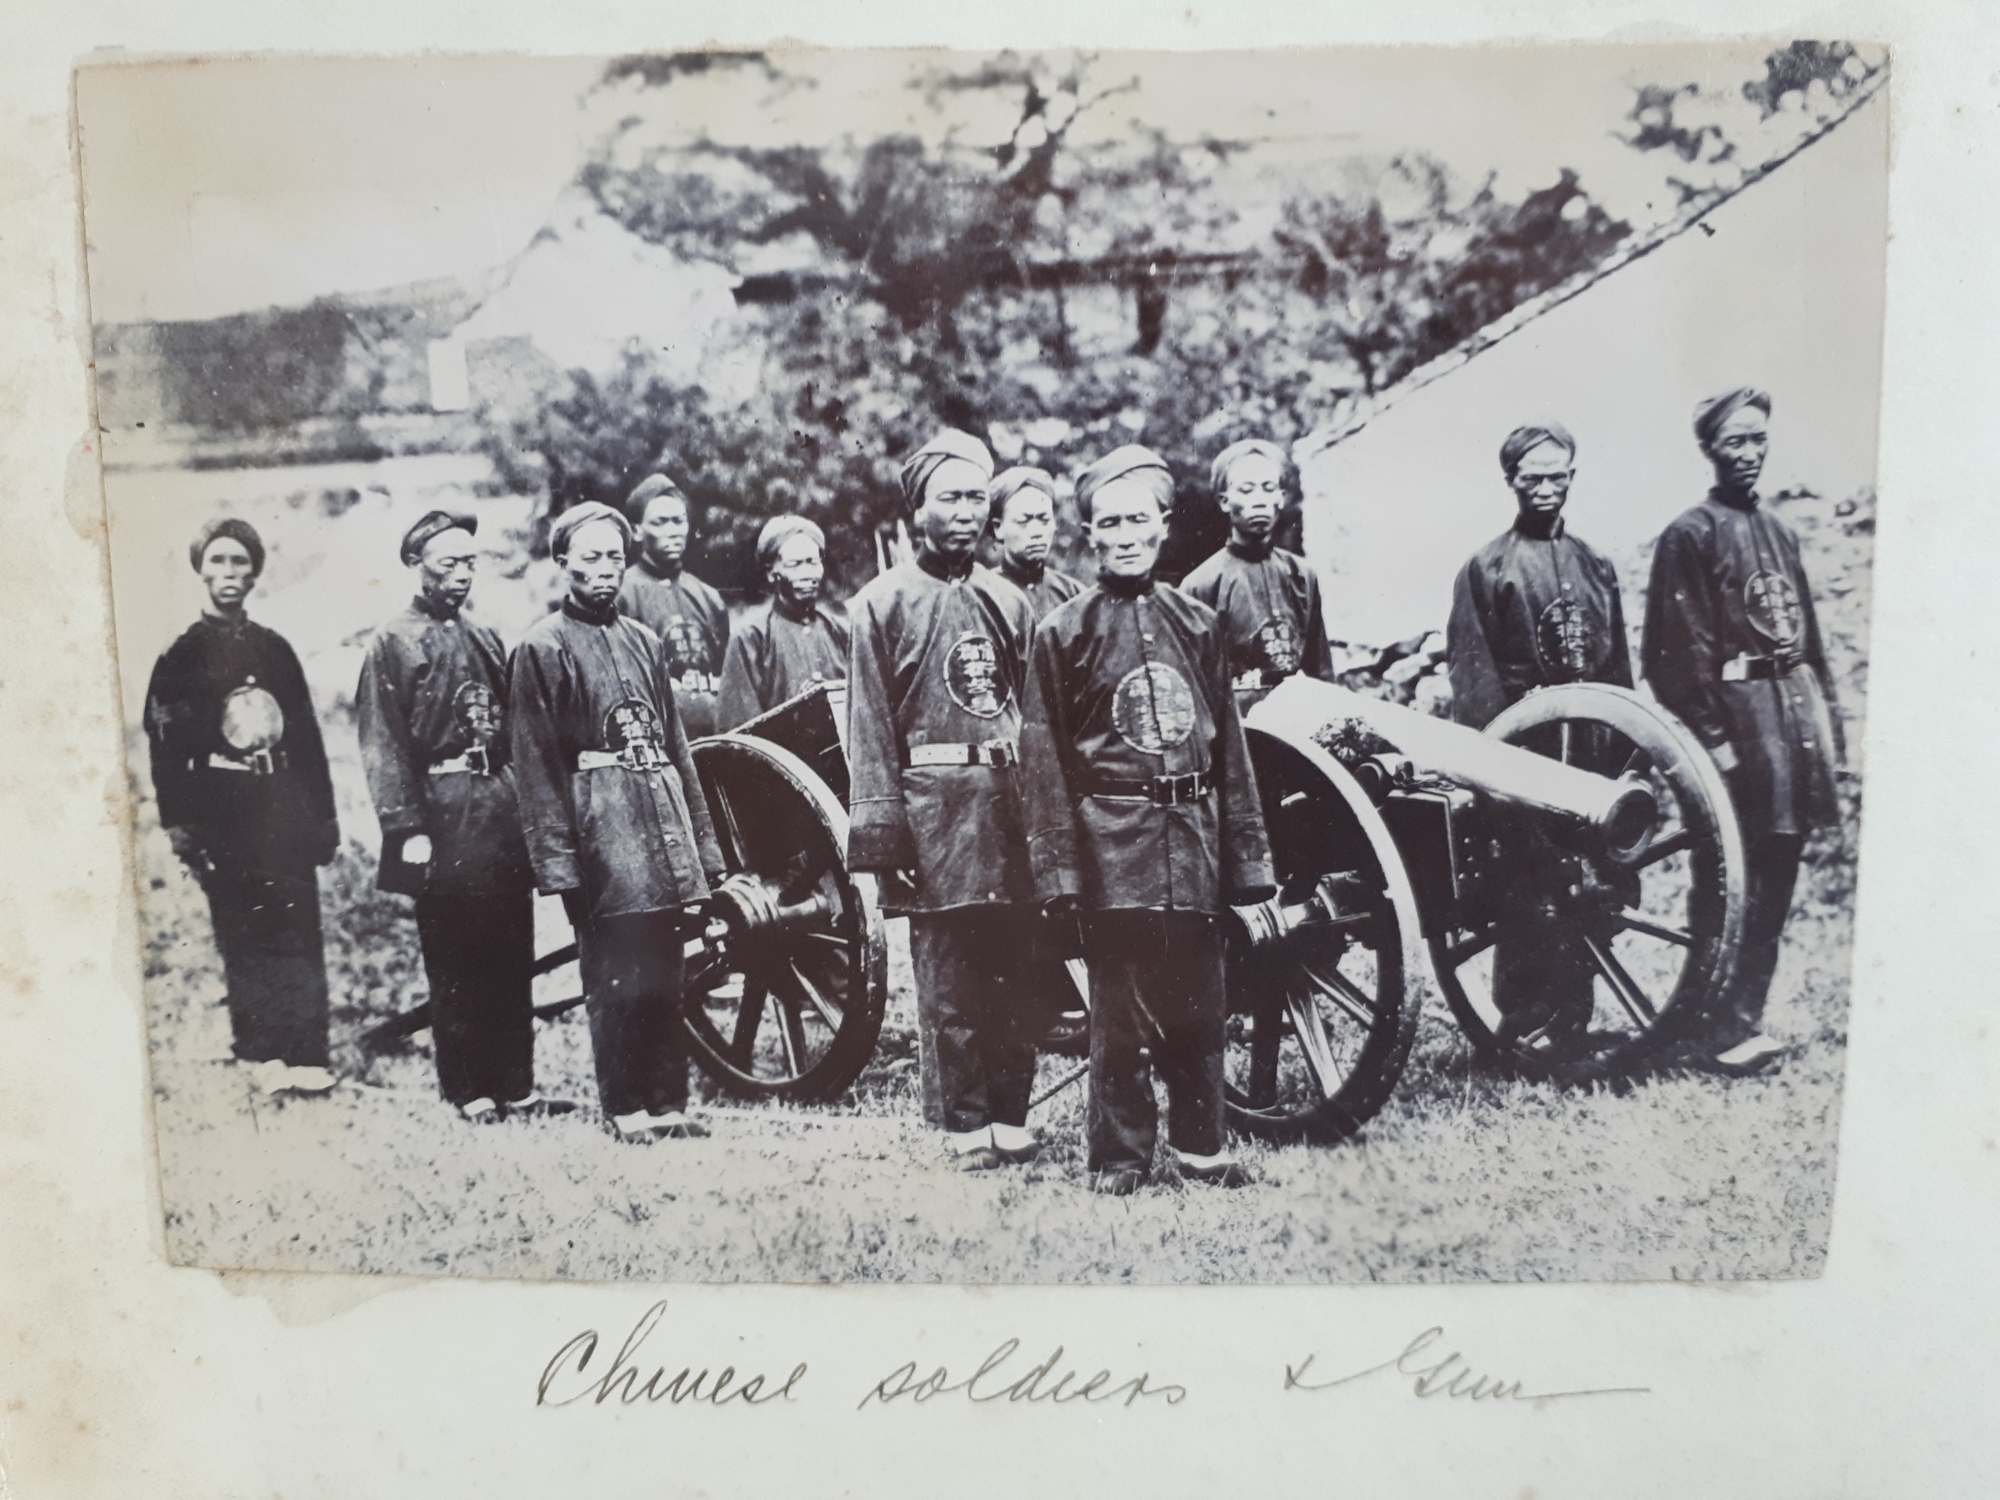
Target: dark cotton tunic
[1132, 687]
[1527, 612]
[692, 622]
[1045, 590]
[433, 690]
[938, 661]
[236, 751]
[773, 659]
[633, 836]
[1272, 620]
[1727, 583]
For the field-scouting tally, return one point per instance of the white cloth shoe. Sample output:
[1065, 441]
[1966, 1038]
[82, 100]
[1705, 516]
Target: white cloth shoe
[1015, 1142]
[274, 1076]
[1751, 1056]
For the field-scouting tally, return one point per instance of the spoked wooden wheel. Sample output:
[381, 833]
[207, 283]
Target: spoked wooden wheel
[785, 994]
[1585, 966]
[1322, 1011]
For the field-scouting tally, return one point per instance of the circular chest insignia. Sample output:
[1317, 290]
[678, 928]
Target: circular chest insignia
[630, 723]
[1773, 607]
[252, 720]
[477, 712]
[1565, 637]
[684, 645]
[972, 676]
[1153, 708]
[1278, 639]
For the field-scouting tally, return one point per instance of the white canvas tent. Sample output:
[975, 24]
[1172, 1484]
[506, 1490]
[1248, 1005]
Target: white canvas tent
[1780, 286]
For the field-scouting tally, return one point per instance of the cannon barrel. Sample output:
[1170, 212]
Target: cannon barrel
[1622, 811]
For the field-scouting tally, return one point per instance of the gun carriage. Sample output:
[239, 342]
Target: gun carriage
[1586, 827]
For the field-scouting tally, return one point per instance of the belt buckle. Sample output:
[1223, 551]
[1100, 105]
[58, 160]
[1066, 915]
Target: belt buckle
[643, 755]
[1736, 669]
[477, 762]
[261, 762]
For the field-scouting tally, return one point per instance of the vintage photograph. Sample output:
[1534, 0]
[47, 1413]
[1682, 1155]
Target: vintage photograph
[1017, 667]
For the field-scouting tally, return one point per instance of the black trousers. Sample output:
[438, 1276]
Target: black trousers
[633, 971]
[980, 1022]
[1157, 1004]
[478, 953]
[1772, 865]
[273, 962]
[1543, 979]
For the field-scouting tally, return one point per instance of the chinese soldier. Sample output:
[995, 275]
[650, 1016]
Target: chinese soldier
[686, 614]
[1268, 598]
[1143, 818]
[1732, 646]
[1537, 605]
[615, 820]
[431, 709]
[934, 719]
[246, 801]
[1024, 528]
[795, 641]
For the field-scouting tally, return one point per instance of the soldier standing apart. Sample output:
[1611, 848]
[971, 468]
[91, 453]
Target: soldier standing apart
[1143, 819]
[686, 614]
[1537, 605]
[431, 710]
[247, 804]
[615, 821]
[795, 641]
[1732, 646]
[934, 722]
[1024, 528]
[1268, 598]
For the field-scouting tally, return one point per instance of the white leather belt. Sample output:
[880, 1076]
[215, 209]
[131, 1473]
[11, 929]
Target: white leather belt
[254, 763]
[473, 763]
[631, 758]
[698, 682]
[1257, 677]
[991, 753]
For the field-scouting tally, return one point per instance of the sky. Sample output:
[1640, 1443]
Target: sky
[221, 187]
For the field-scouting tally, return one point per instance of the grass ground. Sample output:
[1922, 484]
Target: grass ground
[1463, 1175]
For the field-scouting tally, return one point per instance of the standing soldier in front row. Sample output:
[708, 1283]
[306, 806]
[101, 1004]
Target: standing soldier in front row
[1732, 645]
[1024, 528]
[1269, 600]
[686, 614]
[934, 724]
[795, 641]
[1535, 606]
[1144, 821]
[246, 801]
[615, 821]
[431, 710]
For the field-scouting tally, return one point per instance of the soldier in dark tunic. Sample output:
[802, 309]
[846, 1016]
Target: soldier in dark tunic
[1537, 605]
[1268, 598]
[795, 641]
[934, 717]
[1024, 528]
[686, 614]
[615, 820]
[1143, 817]
[431, 711]
[246, 801]
[1732, 645]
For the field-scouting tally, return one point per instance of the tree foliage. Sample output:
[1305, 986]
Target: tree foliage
[1005, 267]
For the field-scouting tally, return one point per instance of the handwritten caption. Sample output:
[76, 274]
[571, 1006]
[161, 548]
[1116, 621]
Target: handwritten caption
[576, 1375]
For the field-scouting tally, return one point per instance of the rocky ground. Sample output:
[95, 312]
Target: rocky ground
[1463, 1175]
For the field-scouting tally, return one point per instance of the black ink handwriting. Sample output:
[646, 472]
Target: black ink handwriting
[984, 1385]
[1450, 1377]
[621, 1376]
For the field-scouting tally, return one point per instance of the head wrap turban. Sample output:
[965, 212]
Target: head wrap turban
[577, 517]
[650, 489]
[1525, 439]
[235, 530]
[431, 524]
[772, 537]
[1133, 462]
[949, 443]
[1709, 415]
[1235, 453]
[1021, 477]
